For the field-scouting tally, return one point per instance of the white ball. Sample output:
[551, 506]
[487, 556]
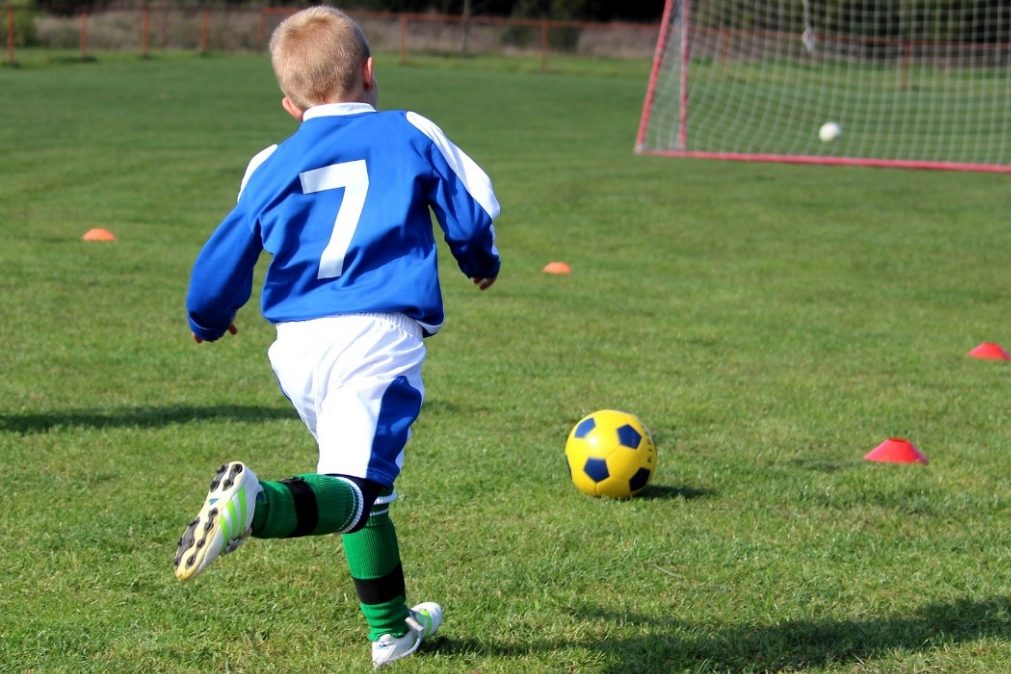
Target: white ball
[829, 131]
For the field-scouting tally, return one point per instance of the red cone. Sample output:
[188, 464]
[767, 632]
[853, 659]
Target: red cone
[98, 234]
[989, 351]
[896, 450]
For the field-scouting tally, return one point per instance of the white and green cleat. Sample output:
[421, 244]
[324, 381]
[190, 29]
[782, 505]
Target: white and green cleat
[422, 623]
[223, 522]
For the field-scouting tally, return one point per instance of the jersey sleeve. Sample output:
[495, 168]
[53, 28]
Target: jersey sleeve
[464, 203]
[222, 277]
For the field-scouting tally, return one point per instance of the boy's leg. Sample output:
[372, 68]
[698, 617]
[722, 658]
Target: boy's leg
[239, 505]
[356, 383]
[314, 504]
[373, 557]
[311, 505]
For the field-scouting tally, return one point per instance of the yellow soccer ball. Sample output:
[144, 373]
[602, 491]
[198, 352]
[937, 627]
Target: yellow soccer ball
[610, 453]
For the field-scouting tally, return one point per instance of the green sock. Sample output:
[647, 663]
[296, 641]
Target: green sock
[373, 557]
[305, 505]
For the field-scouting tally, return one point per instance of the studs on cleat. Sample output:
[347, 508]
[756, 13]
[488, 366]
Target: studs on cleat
[185, 541]
[216, 482]
[206, 537]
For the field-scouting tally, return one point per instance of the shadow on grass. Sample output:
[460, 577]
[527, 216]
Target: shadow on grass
[663, 492]
[139, 417]
[71, 59]
[823, 466]
[794, 645]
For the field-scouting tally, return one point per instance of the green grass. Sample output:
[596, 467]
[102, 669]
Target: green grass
[769, 323]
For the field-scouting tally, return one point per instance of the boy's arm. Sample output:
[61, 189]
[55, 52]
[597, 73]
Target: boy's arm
[464, 204]
[222, 277]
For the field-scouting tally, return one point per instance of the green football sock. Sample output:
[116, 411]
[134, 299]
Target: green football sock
[373, 557]
[305, 505]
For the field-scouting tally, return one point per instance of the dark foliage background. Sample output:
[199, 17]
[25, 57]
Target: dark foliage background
[945, 20]
[583, 10]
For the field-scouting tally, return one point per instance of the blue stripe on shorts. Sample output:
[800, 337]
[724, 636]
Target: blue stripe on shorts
[400, 406]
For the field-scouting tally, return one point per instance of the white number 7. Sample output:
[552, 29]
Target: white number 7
[354, 178]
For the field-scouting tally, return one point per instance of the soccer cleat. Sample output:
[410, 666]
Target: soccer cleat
[423, 621]
[223, 522]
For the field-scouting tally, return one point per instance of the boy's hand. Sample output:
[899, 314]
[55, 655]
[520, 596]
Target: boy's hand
[231, 330]
[484, 283]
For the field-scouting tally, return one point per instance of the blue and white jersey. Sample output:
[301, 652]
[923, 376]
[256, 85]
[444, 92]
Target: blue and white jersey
[342, 206]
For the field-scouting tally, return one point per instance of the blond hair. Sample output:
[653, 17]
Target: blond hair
[317, 55]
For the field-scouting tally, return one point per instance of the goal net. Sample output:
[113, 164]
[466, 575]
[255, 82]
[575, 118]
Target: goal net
[913, 83]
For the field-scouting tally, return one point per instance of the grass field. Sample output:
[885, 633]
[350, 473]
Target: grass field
[771, 324]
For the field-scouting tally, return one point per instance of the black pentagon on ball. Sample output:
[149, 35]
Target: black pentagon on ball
[584, 427]
[639, 480]
[596, 469]
[629, 437]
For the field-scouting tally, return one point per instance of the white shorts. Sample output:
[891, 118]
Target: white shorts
[355, 381]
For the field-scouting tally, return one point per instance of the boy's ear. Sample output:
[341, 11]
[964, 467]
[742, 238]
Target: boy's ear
[368, 75]
[292, 109]
[370, 88]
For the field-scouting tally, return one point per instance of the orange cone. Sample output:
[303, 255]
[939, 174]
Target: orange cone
[98, 234]
[989, 351]
[557, 268]
[896, 450]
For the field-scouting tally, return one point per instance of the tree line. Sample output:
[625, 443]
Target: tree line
[575, 10]
[954, 20]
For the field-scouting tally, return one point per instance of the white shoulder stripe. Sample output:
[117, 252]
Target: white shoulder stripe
[254, 164]
[475, 180]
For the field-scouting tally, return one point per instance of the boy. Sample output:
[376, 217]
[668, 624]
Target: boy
[342, 205]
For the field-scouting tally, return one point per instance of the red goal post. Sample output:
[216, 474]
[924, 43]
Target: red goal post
[911, 83]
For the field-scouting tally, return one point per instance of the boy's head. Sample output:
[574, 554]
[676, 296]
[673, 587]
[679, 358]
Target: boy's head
[321, 56]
